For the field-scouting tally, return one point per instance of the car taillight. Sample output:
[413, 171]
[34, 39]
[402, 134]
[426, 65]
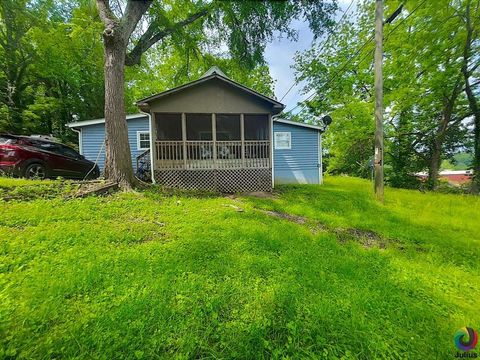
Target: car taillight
[8, 152]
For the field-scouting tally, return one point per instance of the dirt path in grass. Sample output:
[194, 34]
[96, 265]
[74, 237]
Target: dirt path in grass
[366, 238]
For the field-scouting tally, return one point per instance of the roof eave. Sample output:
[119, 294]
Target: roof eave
[300, 124]
[277, 109]
[78, 124]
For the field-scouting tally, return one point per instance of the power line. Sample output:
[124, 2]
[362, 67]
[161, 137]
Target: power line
[357, 53]
[338, 71]
[289, 89]
[323, 46]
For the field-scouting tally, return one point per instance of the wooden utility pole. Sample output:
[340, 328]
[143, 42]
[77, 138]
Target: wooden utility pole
[379, 100]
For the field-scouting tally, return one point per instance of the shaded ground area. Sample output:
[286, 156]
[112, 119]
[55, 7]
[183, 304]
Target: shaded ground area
[303, 274]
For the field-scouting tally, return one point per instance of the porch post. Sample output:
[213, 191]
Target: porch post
[242, 138]
[184, 139]
[272, 151]
[214, 138]
[153, 142]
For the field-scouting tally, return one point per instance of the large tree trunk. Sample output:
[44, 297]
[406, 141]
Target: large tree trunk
[476, 135]
[472, 101]
[437, 148]
[442, 129]
[435, 161]
[118, 165]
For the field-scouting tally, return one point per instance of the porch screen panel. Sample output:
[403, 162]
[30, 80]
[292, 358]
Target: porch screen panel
[200, 150]
[169, 136]
[229, 145]
[228, 127]
[169, 126]
[256, 140]
[256, 127]
[199, 127]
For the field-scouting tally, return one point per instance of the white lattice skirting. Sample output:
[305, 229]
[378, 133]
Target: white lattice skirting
[226, 181]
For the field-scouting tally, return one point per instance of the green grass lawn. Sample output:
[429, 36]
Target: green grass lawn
[157, 275]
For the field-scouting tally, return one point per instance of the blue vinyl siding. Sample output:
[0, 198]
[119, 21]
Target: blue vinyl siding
[93, 136]
[300, 164]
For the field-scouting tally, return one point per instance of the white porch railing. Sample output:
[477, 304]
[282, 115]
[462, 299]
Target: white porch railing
[178, 155]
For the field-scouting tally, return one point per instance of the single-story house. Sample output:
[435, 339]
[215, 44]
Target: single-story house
[454, 177]
[214, 133]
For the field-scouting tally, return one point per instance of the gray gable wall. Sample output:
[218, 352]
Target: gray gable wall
[212, 96]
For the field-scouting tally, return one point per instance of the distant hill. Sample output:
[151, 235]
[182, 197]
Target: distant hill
[461, 161]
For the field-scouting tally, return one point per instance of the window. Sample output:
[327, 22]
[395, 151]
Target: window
[143, 140]
[68, 152]
[47, 146]
[5, 139]
[283, 140]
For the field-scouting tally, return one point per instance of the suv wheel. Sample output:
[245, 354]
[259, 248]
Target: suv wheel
[35, 171]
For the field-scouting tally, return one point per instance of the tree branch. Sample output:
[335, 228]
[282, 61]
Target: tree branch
[133, 13]
[106, 14]
[119, 7]
[153, 35]
[472, 85]
[417, 133]
[472, 70]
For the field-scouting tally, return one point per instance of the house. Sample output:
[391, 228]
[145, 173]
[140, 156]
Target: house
[214, 133]
[453, 177]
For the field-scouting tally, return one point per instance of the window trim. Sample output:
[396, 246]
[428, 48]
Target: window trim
[139, 142]
[289, 134]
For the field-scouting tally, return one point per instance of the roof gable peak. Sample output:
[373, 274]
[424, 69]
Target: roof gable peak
[214, 70]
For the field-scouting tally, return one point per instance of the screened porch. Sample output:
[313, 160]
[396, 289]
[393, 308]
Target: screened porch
[186, 141]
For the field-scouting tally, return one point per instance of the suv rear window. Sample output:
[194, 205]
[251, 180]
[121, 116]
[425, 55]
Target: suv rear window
[66, 151]
[55, 148]
[47, 146]
[4, 140]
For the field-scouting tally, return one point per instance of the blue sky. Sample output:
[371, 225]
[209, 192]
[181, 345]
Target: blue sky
[280, 57]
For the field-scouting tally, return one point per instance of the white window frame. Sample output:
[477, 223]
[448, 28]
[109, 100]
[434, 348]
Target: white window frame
[283, 133]
[139, 142]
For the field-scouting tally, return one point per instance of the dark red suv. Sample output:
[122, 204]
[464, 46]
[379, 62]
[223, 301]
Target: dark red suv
[35, 157]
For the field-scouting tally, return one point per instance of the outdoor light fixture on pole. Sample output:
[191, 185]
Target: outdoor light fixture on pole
[378, 162]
